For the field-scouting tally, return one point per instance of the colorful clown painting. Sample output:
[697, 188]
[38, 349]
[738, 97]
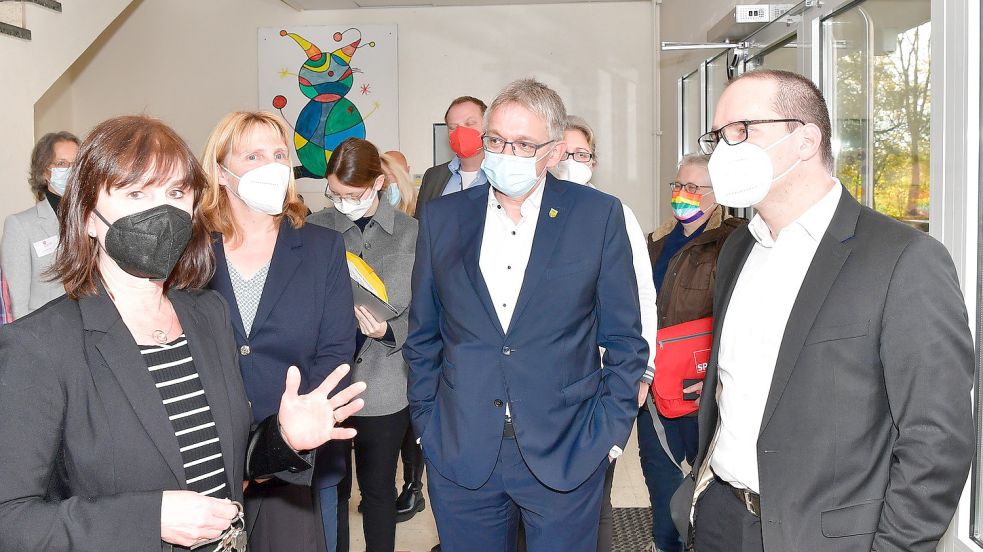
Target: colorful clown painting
[330, 84]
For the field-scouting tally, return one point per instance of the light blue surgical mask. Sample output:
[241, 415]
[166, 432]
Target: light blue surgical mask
[393, 194]
[510, 174]
[59, 179]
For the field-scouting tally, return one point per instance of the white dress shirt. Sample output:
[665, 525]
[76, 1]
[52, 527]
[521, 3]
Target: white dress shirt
[752, 333]
[505, 249]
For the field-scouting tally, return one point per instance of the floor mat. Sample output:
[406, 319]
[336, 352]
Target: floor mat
[632, 529]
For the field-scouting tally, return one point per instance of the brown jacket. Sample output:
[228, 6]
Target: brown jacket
[687, 291]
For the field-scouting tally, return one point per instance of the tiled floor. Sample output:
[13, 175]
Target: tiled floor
[420, 534]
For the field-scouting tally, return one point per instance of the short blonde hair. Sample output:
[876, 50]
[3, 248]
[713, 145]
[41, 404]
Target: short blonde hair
[407, 191]
[580, 124]
[222, 141]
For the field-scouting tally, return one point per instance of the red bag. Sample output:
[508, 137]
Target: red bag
[683, 354]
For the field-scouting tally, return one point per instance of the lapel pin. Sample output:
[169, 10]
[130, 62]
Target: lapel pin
[553, 213]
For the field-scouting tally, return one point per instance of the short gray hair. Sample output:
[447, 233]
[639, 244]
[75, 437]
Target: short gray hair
[538, 98]
[580, 124]
[694, 160]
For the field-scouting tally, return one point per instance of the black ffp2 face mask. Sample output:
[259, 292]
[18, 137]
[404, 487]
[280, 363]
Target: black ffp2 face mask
[148, 244]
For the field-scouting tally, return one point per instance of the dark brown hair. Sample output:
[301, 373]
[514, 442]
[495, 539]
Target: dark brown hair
[466, 99]
[124, 151]
[799, 98]
[42, 157]
[355, 163]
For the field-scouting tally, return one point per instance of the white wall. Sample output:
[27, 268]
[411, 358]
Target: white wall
[681, 21]
[27, 69]
[189, 62]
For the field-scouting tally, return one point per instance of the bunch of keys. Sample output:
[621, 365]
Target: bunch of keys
[234, 538]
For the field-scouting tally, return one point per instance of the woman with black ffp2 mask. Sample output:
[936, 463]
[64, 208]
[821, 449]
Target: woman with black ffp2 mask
[131, 430]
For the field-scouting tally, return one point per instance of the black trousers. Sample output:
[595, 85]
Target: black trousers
[377, 447]
[723, 524]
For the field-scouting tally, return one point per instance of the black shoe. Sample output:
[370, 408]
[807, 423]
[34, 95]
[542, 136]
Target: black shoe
[435, 548]
[408, 503]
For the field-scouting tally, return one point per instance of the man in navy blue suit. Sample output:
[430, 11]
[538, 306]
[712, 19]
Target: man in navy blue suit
[515, 287]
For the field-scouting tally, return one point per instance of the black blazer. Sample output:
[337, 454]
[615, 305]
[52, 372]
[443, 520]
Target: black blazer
[434, 181]
[305, 318]
[867, 434]
[87, 445]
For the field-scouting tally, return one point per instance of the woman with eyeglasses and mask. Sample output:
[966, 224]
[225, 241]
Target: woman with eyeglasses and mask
[578, 166]
[385, 239]
[30, 238]
[683, 253]
[124, 418]
[291, 300]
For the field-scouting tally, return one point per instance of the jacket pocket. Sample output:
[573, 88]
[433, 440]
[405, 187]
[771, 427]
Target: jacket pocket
[582, 389]
[847, 521]
[840, 331]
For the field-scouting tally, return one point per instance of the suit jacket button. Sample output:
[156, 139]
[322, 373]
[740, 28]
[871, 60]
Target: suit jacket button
[368, 246]
[506, 351]
[499, 403]
[358, 361]
[244, 350]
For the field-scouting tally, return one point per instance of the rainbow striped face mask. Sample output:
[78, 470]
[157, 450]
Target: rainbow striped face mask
[686, 206]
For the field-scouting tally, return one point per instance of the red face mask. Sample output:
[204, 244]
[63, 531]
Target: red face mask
[465, 141]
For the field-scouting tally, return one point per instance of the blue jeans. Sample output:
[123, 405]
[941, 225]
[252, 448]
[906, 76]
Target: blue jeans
[328, 502]
[662, 477]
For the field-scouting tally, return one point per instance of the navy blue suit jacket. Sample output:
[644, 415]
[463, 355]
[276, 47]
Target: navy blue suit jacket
[578, 294]
[306, 318]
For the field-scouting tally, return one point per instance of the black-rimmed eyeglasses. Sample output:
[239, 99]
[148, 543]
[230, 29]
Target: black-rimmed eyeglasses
[735, 133]
[520, 148]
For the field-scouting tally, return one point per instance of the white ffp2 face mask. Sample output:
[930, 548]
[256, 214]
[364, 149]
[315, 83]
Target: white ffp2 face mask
[355, 209]
[263, 188]
[742, 175]
[573, 171]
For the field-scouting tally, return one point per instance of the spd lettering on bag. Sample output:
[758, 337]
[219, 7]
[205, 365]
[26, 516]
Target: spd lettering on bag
[701, 360]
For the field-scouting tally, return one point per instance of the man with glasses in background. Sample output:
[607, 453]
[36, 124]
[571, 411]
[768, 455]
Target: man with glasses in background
[838, 413]
[514, 290]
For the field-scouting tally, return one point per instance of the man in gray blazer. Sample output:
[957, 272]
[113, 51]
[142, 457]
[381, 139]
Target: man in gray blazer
[465, 119]
[838, 413]
[30, 237]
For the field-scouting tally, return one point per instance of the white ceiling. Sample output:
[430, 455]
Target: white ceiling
[348, 4]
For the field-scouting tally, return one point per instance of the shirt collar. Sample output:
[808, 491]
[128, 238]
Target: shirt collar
[385, 216]
[454, 165]
[814, 221]
[530, 207]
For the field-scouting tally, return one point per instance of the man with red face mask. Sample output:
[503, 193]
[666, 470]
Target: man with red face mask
[465, 122]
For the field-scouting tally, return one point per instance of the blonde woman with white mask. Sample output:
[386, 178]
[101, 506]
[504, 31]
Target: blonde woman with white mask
[290, 298]
[577, 166]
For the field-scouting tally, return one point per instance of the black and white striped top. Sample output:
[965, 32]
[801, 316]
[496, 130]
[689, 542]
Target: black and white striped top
[184, 398]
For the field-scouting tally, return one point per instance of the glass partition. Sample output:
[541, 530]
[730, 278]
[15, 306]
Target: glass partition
[691, 116]
[876, 75]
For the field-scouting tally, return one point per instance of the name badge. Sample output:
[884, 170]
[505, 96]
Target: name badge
[46, 247]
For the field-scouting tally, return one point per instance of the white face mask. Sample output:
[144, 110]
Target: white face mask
[573, 171]
[742, 175]
[59, 179]
[355, 209]
[263, 188]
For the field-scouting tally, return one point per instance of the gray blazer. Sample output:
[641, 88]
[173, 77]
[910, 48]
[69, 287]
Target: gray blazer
[25, 235]
[434, 182]
[867, 434]
[388, 245]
